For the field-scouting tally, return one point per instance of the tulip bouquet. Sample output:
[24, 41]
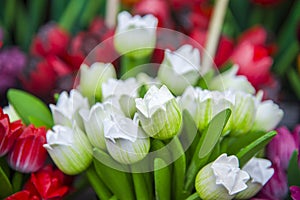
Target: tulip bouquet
[177, 129]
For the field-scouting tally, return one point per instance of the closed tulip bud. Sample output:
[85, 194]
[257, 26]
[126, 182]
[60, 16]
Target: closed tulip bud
[126, 141]
[243, 113]
[159, 113]
[268, 115]
[69, 148]
[221, 179]
[210, 103]
[122, 94]
[260, 172]
[93, 122]
[189, 101]
[28, 154]
[180, 68]
[67, 108]
[9, 132]
[135, 36]
[92, 78]
[229, 80]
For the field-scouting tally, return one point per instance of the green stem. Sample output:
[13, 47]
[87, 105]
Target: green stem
[131, 66]
[91, 9]
[17, 181]
[179, 168]
[140, 186]
[162, 179]
[57, 8]
[9, 14]
[71, 14]
[194, 196]
[22, 31]
[256, 15]
[98, 185]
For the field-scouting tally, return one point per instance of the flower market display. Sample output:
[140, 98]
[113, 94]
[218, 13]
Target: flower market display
[149, 99]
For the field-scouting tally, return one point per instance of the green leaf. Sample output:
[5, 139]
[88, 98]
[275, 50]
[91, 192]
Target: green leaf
[30, 107]
[211, 136]
[5, 186]
[232, 145]
[119, 182]
[245, 154]
[207, 142]
[293, 171]
[294, 79]
[162, 179]
[17, 181]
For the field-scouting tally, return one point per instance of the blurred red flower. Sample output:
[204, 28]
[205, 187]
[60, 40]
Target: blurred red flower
[28, 154]
[50, 40]
[254, 62]
[46, 184]
[9, 132]
[39, 78]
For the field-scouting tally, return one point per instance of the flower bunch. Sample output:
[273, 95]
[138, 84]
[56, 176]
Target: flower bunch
[180, 125]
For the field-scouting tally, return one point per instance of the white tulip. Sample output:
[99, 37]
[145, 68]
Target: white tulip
[122, 93]
[180, 68]
[268, 116]
[125, 140]
[135, 35]
[221, 179]
[67, 107]
[260, 172]
[159, 113]
[11, 112]
[229, 80]
[69, 148]
[91, 79]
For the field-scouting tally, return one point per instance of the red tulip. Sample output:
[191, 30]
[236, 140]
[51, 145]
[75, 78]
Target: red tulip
[159, 8]
[177, 4]
[98, 26]
[47, 184]
[28, 154]
[199, 17]
[50, 40]
[254, 62]
[277, 187]
[9, 132]
[23, 195]
[282, 147]
[256, 35]
[39, 77]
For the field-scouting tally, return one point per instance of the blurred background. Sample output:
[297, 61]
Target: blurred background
[44, 42]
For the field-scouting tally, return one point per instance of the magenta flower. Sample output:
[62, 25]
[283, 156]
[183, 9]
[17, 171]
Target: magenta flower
[295, 192]
[282, 147]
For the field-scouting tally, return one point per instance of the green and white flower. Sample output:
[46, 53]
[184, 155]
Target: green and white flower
[11, 112]
[260, 172]
[67, 108]
[209, 104]
[159, 113]
[229, 80]
[69, 148]
[180, 68]
[268, 116]
[92, 78]
[93, 122]
[135, 35]
[122, 94]
[221, 179]
[126, 142]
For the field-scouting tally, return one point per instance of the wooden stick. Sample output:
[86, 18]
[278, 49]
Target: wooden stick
[112, 8]
[214, 32]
